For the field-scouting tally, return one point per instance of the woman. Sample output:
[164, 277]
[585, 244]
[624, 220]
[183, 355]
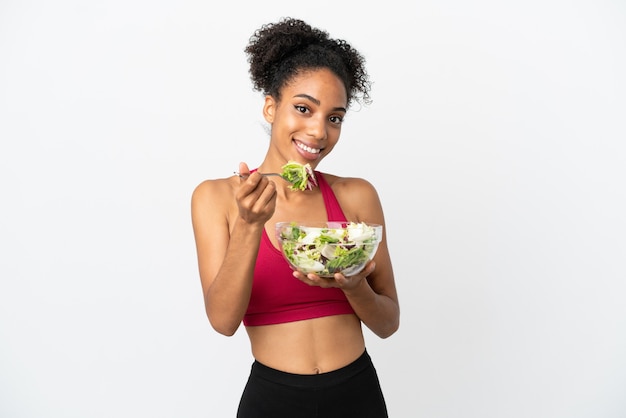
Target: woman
[309, 350]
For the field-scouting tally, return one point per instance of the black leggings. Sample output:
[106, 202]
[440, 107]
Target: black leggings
[352, 391]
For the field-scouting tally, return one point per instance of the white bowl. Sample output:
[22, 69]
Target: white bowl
[326, 248]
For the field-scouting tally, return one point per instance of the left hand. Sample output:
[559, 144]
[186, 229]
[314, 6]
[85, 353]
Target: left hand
[339, 280]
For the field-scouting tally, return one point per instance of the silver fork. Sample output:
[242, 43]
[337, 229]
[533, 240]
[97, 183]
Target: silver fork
[264, 175]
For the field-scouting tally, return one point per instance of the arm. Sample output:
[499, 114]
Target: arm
[227, 239]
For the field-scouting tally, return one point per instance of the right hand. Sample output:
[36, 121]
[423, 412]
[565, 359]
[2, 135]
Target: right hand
[256, 197]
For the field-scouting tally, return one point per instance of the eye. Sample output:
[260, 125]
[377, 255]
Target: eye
[301, 109]
[336, 119]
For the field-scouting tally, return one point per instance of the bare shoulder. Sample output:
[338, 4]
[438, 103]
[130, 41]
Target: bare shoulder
[214, 196]
[348, 186]
[357, 197]
[210, 189]
[207, 188]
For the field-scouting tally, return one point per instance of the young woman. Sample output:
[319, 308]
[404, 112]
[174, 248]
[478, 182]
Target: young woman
[307, 340]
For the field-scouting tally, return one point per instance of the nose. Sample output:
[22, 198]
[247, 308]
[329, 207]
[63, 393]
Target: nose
[316, 128]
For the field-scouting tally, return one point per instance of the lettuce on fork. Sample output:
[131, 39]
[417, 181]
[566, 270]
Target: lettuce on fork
[300, 176]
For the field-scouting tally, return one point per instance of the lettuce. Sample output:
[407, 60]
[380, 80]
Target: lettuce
[300, 176]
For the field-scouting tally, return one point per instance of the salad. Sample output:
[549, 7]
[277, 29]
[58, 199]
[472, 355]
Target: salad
[325, 251]
[300, 176]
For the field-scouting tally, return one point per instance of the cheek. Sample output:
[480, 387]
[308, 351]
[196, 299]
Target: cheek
[333, 139]
[334, 134]
[285, 122]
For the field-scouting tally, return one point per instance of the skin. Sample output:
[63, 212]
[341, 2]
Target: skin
[230, 214]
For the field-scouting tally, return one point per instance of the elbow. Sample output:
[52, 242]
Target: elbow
[228, 332]
[225, 328]
[389, 328]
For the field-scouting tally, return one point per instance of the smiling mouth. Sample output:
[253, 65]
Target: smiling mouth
[307, 148]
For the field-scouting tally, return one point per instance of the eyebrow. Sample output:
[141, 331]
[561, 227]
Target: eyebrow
[317, 102]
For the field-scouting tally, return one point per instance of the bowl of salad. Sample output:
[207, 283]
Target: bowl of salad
[326, 248]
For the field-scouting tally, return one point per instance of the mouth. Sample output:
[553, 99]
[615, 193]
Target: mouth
[308, 149]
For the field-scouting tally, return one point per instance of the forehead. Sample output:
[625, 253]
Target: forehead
[321, 84]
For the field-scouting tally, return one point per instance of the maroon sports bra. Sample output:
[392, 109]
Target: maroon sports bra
[277, 296]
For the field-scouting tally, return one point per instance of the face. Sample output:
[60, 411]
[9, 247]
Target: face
[306, 123]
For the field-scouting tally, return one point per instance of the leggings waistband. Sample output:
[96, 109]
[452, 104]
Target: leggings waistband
[312, 380]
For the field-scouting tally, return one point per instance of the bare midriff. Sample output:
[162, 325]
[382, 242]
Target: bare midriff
[312, 346]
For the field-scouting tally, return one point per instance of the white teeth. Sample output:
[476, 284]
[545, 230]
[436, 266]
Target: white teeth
[308, 149]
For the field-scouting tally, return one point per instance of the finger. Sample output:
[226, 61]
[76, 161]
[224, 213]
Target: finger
[258, 203]
[352, 281]
[267, 196]
[257, 192]
[369, 268]
[243, 169]
[341, 280]
[312, 279]
[302, 277]
[324, 282]
[251, 187]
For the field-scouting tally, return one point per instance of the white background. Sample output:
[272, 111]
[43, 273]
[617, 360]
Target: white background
[496, 140]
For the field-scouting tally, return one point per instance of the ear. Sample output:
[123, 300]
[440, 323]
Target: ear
[269, 109]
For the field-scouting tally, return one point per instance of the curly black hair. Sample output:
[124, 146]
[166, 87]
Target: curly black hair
[279, 51]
